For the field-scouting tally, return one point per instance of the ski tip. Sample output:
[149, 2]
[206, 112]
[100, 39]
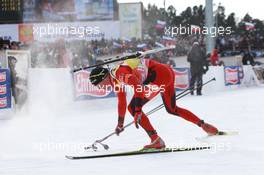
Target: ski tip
[227, 133]
[221, 133]
[69, 157]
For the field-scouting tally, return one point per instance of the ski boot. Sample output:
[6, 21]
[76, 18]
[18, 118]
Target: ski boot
[209, 129]
[158, 143]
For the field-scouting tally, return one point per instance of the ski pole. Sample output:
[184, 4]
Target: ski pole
[179, 96]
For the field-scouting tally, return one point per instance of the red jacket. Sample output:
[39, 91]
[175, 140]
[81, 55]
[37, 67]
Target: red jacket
[124, 74]
[214, 57]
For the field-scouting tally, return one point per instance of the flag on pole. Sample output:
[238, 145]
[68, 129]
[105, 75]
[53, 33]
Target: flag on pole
[160, 24]
[249, 26]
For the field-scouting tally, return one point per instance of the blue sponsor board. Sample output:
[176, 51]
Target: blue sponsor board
[5, 89]
[232, 75]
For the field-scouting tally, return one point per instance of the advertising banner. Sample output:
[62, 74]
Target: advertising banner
[130, 17]
[25, 32]
[67, 10]
[85, 90]
[5, 89]
[3, 60]
[19, 63]
[259, 72]
[94, 9]
[9, 32]
[182, 78]
[232, 75]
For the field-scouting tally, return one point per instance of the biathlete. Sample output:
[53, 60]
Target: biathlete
[139, 73]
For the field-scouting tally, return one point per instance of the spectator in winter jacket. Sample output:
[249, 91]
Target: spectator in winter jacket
[248, 59]
[199, 66]
[214, 58]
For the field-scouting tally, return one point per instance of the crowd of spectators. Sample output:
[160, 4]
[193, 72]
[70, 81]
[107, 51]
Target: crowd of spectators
[79, 53]
[235, 44]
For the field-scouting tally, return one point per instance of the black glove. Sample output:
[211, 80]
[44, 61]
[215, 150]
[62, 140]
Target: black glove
[205, 66]
[118, 129]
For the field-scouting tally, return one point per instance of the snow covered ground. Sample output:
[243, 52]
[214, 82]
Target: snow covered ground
[35, 140]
